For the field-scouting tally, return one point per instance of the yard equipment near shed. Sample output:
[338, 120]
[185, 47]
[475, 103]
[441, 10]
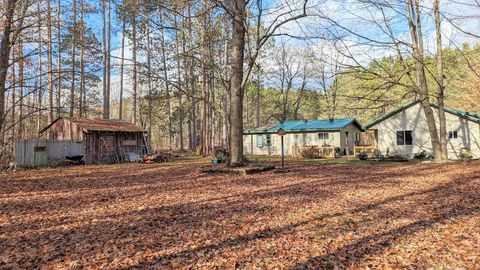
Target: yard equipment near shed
[74, 160]
[4, 167]
[157, 158]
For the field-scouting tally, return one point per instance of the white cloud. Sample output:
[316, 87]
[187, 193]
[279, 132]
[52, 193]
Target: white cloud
[361, 26]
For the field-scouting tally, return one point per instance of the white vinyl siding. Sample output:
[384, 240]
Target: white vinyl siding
[413, 118]
[331, 138]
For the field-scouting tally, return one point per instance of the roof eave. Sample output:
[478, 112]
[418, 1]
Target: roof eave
[292, 131]
[466, 115]
[463, 114]
[105, 130]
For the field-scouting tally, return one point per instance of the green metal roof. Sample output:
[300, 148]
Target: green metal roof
[475, 117]
[304, 126]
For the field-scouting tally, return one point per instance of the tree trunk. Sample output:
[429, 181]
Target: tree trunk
[212, 114]
[14, 96]
[236, 107]
[74, 35]
[39, 79]
[186, 74]
[49, 63]
[20, 85]
[257, 99]
[193, 96]
[5, 57]
[81, 105]
[149, 79]
[226, 86]
[134, 56]
[167, 84]
[109, 66]
[104, 61]
[179, 83]
[441, 96]
[59, 59]
[203, 112]
[414, 20]
[122, 65]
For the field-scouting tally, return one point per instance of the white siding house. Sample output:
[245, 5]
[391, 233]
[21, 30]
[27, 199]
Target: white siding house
[405, 131]
[341, 133]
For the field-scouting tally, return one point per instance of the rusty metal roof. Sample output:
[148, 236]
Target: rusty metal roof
[106, 125]
[112, 125]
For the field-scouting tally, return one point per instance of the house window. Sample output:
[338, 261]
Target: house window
[259, 140]
[268, 140]
[264, 140]
[404, 137]
[453, 134]
[323, 136]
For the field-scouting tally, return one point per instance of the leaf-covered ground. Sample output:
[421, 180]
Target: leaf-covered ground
[319, 216]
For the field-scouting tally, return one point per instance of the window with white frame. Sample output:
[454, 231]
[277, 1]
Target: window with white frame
[323, 136]
[453, 134]
[404, 137]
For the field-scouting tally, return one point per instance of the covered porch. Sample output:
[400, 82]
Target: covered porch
[364, 142]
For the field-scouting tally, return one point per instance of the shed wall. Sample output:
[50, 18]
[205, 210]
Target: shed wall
[99, 146]
[63, 130]
[41, 152]
[112, 147]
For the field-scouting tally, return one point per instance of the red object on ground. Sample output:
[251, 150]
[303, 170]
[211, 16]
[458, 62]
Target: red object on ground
[157, 157]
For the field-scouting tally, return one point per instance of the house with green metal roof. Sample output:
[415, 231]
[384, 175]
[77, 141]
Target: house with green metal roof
[340, 133]
[404, 131]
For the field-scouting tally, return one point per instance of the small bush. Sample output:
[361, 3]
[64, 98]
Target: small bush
[310, 152]
[467, 154]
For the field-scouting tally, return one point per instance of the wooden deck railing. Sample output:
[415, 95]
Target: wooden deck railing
[370, 150]
[323, 151]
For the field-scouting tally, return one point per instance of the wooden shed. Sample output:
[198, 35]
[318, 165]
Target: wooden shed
[104, 141]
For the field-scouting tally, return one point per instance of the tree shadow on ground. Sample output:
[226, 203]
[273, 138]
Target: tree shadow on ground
[457, 198]
[210, 214]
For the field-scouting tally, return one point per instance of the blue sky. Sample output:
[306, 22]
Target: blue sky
[352, 15]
